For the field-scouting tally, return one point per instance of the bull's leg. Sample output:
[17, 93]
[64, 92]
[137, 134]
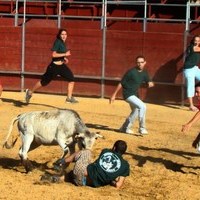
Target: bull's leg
[58, 165]
[64, 144]
[33, 146]
[65, 149]
[27, 139]
[72, 147]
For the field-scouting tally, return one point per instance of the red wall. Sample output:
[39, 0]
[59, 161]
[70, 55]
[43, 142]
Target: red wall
[162, 45]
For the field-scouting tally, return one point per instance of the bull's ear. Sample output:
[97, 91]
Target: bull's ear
[97, 135]
[80, 135]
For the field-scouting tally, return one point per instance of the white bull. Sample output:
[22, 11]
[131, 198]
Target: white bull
[60, 127]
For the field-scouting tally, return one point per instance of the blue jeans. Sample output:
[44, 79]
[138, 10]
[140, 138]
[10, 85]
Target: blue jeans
[138, 108]
[191, 75]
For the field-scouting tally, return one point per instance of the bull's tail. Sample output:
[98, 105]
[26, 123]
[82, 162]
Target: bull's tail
[5, 144]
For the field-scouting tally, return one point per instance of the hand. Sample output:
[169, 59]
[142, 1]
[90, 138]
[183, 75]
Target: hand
[150, 84]
[112, 99]
[185, 127]
[68, 53]
[66, 60]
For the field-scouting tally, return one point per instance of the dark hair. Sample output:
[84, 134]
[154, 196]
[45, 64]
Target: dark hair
[59, 33]
[197, 84]
[193, 39]
[140, 56]
[120, 146]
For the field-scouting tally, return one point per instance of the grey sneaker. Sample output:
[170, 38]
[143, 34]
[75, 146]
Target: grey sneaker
[71, 100]
[27, 96]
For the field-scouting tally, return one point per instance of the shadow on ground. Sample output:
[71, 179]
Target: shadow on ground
[13, 164]
[18, 103]
[169, 164]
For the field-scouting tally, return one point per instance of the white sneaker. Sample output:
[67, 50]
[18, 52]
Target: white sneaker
[129, 131]
[143, 132]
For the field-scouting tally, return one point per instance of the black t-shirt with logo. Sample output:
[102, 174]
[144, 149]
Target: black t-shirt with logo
[107, 168]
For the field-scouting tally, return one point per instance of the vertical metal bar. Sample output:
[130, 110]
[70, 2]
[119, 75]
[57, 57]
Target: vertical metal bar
[145, 16]
[183, 78]
[187, 23]
[102, 14]
[24, 15]
[104, 11]
[16, 13]
[23, 47]
[185, 36]
[59, 14]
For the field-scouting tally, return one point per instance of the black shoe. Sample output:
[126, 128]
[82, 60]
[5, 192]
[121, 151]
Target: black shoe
[59, 165]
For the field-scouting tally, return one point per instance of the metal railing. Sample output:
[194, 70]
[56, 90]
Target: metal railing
[59, 4]
[103, 18]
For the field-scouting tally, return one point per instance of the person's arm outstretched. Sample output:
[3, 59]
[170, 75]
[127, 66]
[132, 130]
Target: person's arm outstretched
[188, 125]
[71, 158]
[112, 98]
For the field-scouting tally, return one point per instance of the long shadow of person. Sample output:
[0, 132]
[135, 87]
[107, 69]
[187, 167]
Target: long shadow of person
[184, 154]
[169, 164]
[18, 103]
[166, 77]
[101, 127]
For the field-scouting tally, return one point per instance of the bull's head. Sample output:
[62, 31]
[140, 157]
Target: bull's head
[86, 140]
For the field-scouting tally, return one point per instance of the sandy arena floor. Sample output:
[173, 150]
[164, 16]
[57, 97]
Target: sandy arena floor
[163, 164]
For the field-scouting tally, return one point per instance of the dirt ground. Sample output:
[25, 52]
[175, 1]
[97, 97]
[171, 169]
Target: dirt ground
[164, 165]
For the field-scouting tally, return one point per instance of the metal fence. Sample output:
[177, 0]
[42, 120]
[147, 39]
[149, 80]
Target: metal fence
[146, 7]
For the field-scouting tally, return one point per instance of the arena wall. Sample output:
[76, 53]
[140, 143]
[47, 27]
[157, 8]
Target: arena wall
[162, 44]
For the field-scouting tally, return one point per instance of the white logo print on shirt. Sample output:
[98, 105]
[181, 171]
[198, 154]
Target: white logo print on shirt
[110, 162]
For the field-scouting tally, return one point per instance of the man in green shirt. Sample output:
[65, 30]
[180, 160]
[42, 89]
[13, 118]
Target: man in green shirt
[130, 83]
[110, 168]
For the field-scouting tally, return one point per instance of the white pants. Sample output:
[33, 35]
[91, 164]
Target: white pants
[138, 108]
[191, 75]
